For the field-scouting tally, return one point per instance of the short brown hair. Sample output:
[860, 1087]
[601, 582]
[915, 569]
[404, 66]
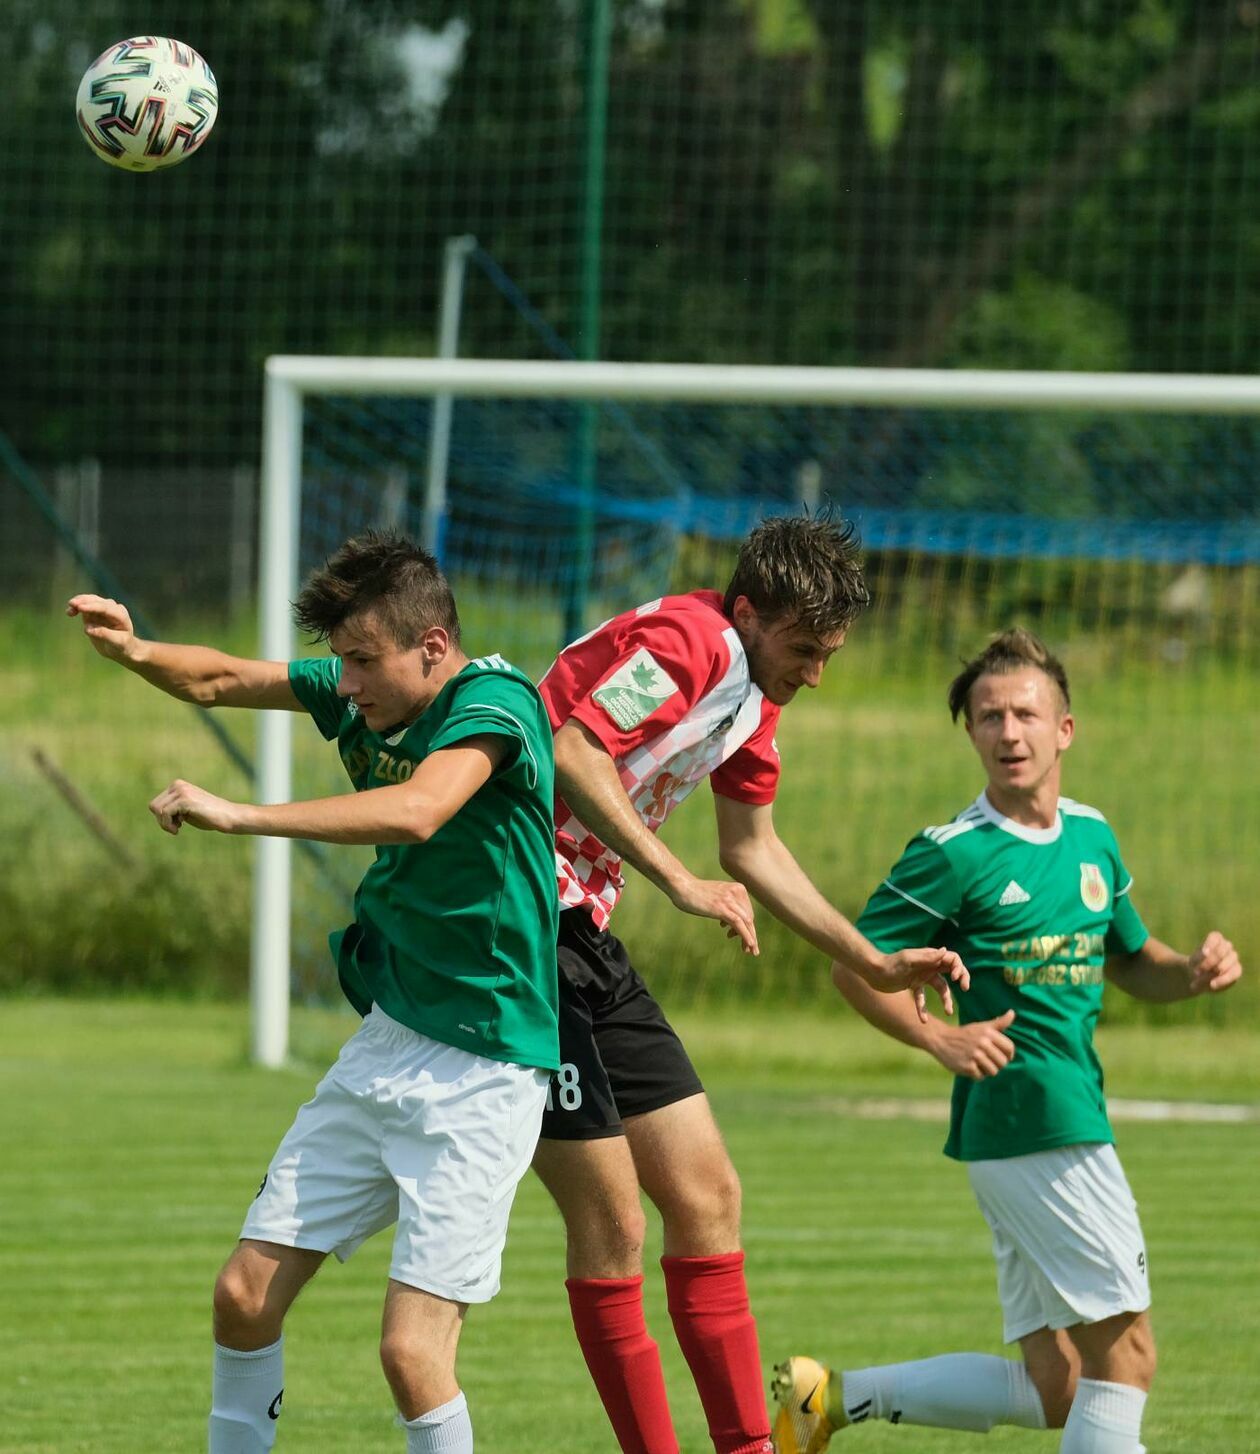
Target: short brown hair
[385, 573]
[807, 567]
[1011, 650]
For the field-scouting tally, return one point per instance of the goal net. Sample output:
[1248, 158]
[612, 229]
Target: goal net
[1115, 515]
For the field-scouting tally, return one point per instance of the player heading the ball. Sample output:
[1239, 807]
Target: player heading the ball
[430, 1116]
[645, 708]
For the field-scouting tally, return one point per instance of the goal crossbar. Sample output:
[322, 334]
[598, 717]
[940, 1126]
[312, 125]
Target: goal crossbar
[769, 384]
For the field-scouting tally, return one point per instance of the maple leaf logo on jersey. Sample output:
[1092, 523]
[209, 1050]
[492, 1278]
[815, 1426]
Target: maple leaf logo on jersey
[635, 690]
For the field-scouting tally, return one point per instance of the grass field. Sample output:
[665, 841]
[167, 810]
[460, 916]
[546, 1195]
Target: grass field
[135, 1134]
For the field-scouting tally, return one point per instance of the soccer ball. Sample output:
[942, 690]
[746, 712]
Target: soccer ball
[147, 103]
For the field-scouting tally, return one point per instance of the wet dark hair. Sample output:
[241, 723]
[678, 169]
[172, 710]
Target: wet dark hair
[804, 567]
[1011, 650]
[385, 573]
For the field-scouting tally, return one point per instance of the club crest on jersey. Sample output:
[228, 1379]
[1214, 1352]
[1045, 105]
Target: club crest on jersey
[635, 690]
[1094, 893]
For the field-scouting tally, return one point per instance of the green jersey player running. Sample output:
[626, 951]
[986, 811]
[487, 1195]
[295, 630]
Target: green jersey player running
[1029, 888]
[430, 1116]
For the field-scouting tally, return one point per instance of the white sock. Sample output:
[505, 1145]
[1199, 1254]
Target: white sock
[955, 1391]
[246, 1400]
[1105, 1418]
[447, 1429]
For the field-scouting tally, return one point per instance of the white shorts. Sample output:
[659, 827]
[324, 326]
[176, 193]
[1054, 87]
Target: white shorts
[1066, 1237]
[406, 1129]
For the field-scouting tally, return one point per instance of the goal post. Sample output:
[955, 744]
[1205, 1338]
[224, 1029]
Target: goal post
[294, 384]
[277, 588]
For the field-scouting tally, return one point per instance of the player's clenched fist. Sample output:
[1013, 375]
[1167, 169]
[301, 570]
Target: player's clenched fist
[107, 625]
[1214, 965]
[978, 1050]
[185, 803]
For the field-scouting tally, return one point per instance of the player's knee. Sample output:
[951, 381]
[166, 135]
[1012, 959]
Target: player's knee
[412, 1364]
[240, 1303]
[396, 1350]
[610, 1236]
[629, 1230]
[706, 1205]
[726, 1195]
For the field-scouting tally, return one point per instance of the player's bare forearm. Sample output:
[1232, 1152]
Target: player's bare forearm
[375, 818]
[200, 675]
[768, 870]
[1159, 974]
[586, 778]
[975, 1051]
[410, 812]
[207, 677]
[752, 852]
[384, 815]
[1155, 973]
[893, 1014]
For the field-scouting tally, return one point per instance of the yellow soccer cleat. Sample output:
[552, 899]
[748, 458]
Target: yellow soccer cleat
[802, 1425]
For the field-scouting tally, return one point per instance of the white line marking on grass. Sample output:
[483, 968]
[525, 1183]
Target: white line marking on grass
[891, 1108]
[1182, 1111]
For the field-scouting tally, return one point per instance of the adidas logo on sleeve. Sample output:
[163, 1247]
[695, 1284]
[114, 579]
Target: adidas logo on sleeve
[1013, 894]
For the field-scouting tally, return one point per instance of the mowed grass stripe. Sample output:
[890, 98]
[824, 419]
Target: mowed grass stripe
[136, 1137]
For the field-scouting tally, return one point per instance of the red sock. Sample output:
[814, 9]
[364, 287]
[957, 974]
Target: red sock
[624, 1361]
[708, 1301]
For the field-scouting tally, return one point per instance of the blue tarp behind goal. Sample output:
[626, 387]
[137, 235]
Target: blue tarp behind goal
[1170, 489]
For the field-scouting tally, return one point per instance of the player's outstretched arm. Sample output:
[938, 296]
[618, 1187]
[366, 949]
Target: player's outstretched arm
[751, 851]
[409, 812]
[1157, 973]
[197, 674]
[586, 778]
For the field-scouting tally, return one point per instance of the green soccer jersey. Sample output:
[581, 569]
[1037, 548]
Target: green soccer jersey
[1033, 914]
[456, 937]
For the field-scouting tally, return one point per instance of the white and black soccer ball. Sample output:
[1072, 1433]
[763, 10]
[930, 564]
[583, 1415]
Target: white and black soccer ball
[146, 103]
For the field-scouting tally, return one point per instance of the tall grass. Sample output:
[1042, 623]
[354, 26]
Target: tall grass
[1166, 747]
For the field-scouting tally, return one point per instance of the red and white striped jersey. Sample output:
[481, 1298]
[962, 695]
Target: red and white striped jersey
[666, 690]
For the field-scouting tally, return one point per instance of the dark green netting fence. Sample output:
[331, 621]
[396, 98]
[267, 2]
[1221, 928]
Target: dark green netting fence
[1043, 185]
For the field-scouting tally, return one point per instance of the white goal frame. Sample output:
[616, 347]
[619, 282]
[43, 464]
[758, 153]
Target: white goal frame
[289, 379]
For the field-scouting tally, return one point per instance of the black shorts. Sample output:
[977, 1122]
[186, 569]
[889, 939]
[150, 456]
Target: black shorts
[619, 1055]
